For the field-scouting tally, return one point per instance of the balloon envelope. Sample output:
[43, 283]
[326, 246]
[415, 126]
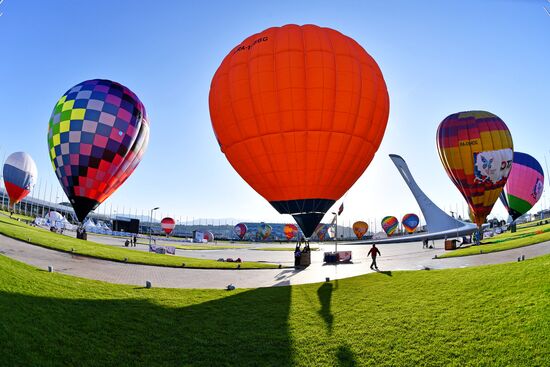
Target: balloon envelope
[389, 224]
[208, 236]
[167, 224]
[324, 231]
[410, 222]
[290, 231]
[54, 216]
[476, 150]
[97, 135]
[299, 112]
[20, 175]
[524, 186]
[360, 228]
[240, 230]
[264, 231]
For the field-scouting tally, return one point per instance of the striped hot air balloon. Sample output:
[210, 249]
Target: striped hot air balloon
[476, 150]
[389, 224]
[524, 186]
[20, 175]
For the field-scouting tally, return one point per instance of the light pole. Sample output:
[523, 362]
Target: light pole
[151, 225]
[336, 232]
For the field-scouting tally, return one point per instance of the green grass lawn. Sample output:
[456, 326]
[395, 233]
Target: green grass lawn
[525, 236]
[44, 238]
[18, 216]
[280, 248]
[496, 315]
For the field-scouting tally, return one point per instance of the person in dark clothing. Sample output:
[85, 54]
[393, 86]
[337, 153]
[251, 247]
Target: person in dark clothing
[297, 255]
[373, 252]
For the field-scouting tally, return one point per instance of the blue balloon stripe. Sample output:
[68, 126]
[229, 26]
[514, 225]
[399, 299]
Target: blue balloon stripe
[17, 177]
[528, 161]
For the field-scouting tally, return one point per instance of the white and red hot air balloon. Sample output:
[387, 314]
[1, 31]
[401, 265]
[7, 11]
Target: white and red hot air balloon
[168, 224]
[19, 176]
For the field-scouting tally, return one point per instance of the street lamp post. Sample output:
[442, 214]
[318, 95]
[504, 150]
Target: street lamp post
[336, 232]
[151, 225]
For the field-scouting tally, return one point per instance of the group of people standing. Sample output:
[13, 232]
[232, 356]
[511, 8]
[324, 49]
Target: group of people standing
[298, 251]
[132, 242]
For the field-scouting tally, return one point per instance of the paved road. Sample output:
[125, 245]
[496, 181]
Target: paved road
[409, 256]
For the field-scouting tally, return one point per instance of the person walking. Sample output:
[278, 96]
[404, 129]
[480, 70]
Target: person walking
[373, 252]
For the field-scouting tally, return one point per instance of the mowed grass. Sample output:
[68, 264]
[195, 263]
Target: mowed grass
[505, 241]
[18, 216]
[495, 315]
[44, 238]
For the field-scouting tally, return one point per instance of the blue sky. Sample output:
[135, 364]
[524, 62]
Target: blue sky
[437, 58]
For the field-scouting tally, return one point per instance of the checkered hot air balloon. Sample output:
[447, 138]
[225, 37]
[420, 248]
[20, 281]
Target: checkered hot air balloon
[97, 135]
[20, 175]
[476, 150]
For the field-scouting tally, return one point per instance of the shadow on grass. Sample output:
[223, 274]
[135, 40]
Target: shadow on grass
[325, 296]
[345, 356]
[385, 272]
[137, 332]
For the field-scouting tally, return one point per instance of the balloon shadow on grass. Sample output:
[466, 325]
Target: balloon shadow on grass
[137, 331]
[345, 356]
[325, 296]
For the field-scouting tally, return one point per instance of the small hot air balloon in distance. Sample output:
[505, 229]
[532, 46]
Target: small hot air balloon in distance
[20, 175]
[208, 236]
[97, 135]
[410, 222]
[299, 112]
[389, 224]
[476, 150]
[360, 228]
[290, 231]
[240, 230]
[524, 186]
[324, 232]
[264, 231]
[167, 224]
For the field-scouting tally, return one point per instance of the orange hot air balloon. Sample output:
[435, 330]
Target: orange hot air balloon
[360, 228]
[299, 112]
[476, 150]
